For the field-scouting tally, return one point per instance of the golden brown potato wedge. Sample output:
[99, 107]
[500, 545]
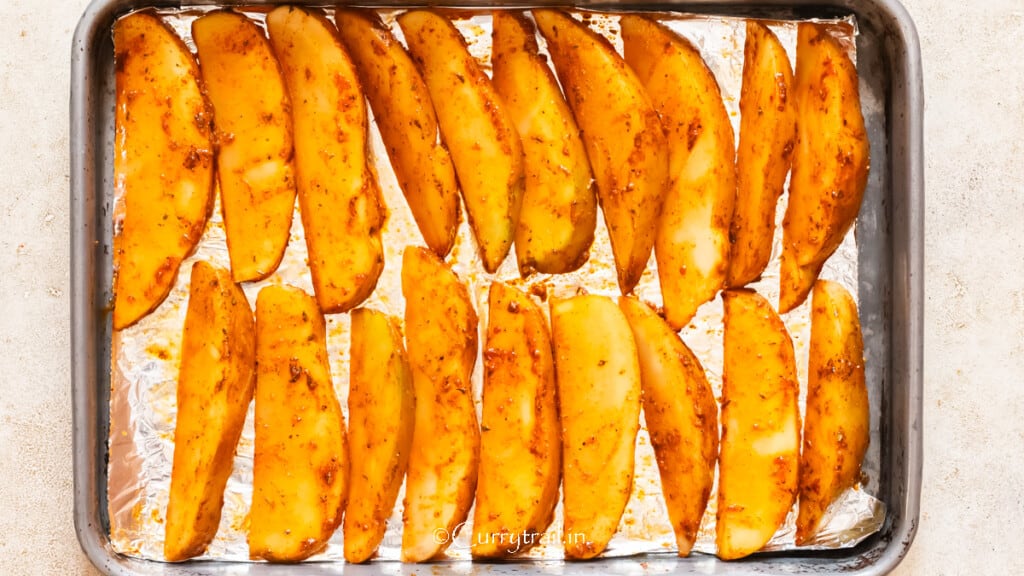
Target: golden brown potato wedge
[215, 386]
[795, 281]
[408, 125]
[622, 133]
[381, 410]
[837, 427]
[483, 141]
[760, 451]
[830, 161]
[339, 199]
[253, 122]
[692, 245]
[682, 418]
[767, 138]
[163, 163]
[520, 446]
[599, 394]
[556, 225]
[300, 464]
[441, 334]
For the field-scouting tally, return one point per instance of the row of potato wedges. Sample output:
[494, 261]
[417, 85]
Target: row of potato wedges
[645, 134]
[560, 407]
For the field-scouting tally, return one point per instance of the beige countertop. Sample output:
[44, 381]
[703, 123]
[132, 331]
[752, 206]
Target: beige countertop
[972, 507]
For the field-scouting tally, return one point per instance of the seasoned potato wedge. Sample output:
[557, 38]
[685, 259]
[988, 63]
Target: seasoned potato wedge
[830, 161]
[339, 199]
[520, 446]
[692, 245]
[163, 163]
[441, 334]
[408, 125]
[215, 386]
[556, 225]
[599, 394]
[253, 122]
[837, 427]
[757, 482]
[381, 411]
[483, 141]
[622, 133]
[300, 464]
[682, 418]
[767, 138]
[795, 281]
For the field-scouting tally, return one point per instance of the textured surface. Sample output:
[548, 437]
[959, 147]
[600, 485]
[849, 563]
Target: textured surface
[974, 344]
[147, 354]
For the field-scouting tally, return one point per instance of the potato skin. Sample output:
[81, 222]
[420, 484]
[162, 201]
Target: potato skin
[760, 450]
[692, 243]
[622, 133]
[408, 125]
[765, 154]
[381, 408]
[253, 123]
[215, 386]
[520, 447]
[682, 418]
[163, 163]
[599, 393]
[441, 335]
[483, 141]
[556, 224]
[837, 427]
[339, 199]
[300, 463]
[830, 162]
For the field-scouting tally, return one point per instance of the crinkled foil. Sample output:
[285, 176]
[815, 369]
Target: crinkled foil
[146, 356]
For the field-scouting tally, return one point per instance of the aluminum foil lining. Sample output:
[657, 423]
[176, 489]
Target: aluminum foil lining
[145, 357]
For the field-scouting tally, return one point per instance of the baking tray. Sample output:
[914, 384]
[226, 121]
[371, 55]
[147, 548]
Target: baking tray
[889, 236]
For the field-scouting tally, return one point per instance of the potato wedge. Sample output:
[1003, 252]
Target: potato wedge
[795, 281]
[692, 245]
[441, 334]
[765, 154]
[339, 199]
[408, 125]
[837, 428]
[622, 133]
[760, 451]
[381, 410]
[521, 445]
[682, 418]
[163, 163]
[300, 464]
[215, 386]
[253, 123]
[483, 141]
[556, 224]
[599, 394]
[830, 162]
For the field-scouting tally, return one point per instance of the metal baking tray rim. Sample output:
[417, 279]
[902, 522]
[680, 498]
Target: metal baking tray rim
[904, 155]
